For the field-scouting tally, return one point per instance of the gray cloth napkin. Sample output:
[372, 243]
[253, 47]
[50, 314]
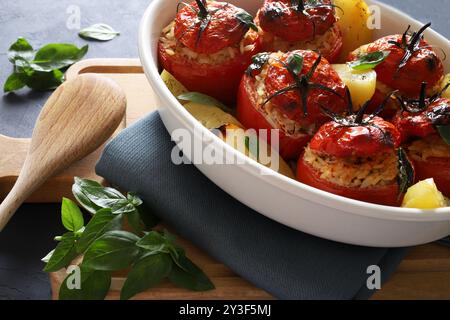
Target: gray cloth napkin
[286, 263]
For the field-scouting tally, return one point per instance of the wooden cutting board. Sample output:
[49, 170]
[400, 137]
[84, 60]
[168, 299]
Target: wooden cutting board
[424, 274]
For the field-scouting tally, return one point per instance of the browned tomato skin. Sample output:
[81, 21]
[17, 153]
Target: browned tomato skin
[385, 195]
[283, 20]
[339, 141]
[331, 52]
[224, 29]
[247, 112]
[220, 81]
[420, 125]
[290, 105]
[423, 66]
[436, 168]
[250, 115]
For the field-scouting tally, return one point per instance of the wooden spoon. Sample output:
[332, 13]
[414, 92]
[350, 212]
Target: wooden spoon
[77, 119]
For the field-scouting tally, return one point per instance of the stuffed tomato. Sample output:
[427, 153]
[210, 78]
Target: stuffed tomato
[407, 61]
[300, 24]
[285, 91]
[425, 128]
[357, 157]
[208, 47]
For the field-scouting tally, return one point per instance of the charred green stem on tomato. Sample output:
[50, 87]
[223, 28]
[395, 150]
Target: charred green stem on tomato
[410, 46]
[302, 83]
[357, 119]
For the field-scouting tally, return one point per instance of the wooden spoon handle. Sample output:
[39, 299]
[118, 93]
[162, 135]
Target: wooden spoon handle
[76, 120]
[12, 202]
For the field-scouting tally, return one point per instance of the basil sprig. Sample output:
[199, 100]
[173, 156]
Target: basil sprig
[369, 61]
[444, 131]
[99, 32]
[246, 18]
[42, 69]
[406, 172]
[150, 255]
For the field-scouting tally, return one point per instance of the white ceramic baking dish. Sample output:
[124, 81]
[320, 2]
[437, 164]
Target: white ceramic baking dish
[282, 199]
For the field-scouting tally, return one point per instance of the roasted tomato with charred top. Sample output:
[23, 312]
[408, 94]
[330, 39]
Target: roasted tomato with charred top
[421, 123]
[300, 24]
[357, 157]
[410, 62]
[285, 91]
[208, 47]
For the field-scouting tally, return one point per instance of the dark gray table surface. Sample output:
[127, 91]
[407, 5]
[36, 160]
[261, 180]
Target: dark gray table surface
[29, 235]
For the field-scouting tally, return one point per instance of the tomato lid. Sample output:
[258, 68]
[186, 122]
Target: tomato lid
[349, 137]
[411, 61]
[297, 20]
[210, 26]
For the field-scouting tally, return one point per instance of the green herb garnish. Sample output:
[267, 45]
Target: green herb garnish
[151, 255]
[406, 172]
[369, 60]
[201, 98]
[99, 31]
[247, 19]
[42, 69]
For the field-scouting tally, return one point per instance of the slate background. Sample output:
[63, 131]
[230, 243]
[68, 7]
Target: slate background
[29, 235]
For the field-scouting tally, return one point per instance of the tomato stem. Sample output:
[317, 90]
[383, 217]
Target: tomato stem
[203, 11]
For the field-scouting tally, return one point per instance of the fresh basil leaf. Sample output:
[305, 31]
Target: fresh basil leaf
[247, 19]
[295, 63]
[72, 218]
[153, 242]
[135, 222]
[94, 197]
[406, 172]
[14, 82]
[258, 61]
[369, 60]
[134, 199]
[444, 131]
[20, 49]
[145, 274]
[99, 31]
[57, 56]
[94, 285]
[42, 81]
[64, 253]
[103, 221]
[113, 251]
[78, 191]
[204, 99]
[188, 276]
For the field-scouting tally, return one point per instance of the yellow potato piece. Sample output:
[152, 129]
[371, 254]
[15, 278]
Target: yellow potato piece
[254, 148]
[353, 20]
[362, 84]
[446, 80]
[211, 117]
[424, 195]
[175, 86]
[215, 118]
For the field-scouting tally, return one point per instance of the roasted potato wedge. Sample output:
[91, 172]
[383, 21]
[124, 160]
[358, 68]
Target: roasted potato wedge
[362, 84]
[353, 20]
[175, 86]
[424, 195]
